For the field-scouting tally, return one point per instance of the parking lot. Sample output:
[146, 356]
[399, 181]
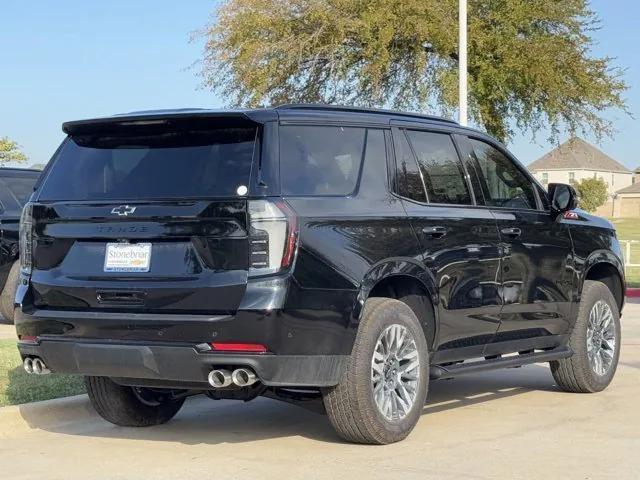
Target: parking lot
[504, 424]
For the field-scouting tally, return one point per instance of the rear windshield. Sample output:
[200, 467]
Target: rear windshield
[162, 165]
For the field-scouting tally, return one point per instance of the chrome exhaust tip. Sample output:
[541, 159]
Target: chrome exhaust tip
[243, 377]
[39, 367]
[219, 378]
[28, 365]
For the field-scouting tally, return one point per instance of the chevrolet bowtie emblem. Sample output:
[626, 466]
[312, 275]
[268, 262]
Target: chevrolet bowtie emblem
[123, 210]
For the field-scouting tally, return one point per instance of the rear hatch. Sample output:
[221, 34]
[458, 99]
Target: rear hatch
[146, 216]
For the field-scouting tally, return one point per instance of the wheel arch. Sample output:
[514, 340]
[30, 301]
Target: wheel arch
[406, 280]
[604, 267]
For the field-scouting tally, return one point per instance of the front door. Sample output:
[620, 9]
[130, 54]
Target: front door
[536, 253]
[460, 242]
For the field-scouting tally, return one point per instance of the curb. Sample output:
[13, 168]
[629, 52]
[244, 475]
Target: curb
[46, 415]
[633, 293]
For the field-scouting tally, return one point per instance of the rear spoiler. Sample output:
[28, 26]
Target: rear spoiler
[167, 117]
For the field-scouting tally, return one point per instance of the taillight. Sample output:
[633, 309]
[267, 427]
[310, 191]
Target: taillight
[238, 347]
[26, 239]
[28, 338]
[273, 233]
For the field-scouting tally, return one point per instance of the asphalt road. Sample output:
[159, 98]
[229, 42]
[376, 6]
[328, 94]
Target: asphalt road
[506, 424]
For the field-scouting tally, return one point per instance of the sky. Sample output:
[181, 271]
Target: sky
[73, 59]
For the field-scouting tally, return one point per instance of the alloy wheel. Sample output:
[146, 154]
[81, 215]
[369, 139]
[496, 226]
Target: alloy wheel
[395, 372]
[601, 338]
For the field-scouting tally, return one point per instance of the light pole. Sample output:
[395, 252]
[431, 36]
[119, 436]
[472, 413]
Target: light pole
[462, 61]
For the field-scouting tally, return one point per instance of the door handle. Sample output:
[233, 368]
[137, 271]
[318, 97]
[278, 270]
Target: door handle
[512, 232]
[436, 232]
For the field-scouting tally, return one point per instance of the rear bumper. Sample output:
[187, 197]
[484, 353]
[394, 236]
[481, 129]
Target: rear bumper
[179, 365]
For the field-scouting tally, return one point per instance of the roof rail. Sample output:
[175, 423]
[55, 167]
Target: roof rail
[19, 169]
[346, 108]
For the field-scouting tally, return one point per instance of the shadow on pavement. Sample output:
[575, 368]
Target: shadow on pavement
[204, 421]
[477, 388]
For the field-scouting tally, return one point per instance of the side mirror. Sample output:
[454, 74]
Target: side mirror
[563, 197]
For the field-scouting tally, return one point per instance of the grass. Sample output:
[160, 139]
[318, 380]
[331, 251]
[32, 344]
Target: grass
[629, 229]
[16, 386]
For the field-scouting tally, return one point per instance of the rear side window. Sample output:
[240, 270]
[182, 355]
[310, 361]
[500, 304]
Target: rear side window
[441, 168]
[175, 163]
[320, 160]
[504, 184]
[408, 179]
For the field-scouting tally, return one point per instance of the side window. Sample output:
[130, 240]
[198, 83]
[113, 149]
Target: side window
[8, 204]
[504, 184]
[408, 179]
[318, 160]
[441, 168]
[544, 197]
[22, 188]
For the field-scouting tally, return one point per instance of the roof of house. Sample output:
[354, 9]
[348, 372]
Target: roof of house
[577, 154]
[633, 188]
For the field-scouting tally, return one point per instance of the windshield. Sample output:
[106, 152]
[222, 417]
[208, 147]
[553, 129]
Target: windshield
[161, 165]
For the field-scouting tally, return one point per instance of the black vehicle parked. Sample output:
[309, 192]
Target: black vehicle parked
[16, 185]
[306, 252]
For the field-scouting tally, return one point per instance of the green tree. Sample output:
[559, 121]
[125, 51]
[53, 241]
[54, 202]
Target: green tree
[592, 193]
[530, 62]
[10, 151]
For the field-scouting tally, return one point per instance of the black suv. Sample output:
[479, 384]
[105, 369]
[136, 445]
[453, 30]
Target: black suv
[306, 252]
[16, 185]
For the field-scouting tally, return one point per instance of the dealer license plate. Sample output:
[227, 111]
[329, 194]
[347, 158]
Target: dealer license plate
[127, 257]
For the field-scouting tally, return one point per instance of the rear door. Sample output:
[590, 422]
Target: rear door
[459, 241]
[537, 268]
[148, 216]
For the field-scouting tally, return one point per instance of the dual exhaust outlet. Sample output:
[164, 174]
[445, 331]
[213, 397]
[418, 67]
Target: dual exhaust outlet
[35, 365]
[240, 377]
[220, 378]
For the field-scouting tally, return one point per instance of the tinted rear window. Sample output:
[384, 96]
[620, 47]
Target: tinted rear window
[167, 164]
[20, 187]
[320, 160]
[441, 168]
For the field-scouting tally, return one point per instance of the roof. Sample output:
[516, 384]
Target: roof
[576, 154]
[259, 115]
[633, 188]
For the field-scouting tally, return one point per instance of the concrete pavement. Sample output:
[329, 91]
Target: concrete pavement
[505, 424]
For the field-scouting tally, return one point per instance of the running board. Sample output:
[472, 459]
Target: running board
[449, 371]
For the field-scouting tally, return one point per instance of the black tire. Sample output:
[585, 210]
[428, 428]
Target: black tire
[350, 405]
[575, 374]
[121, 405]
[7, 298]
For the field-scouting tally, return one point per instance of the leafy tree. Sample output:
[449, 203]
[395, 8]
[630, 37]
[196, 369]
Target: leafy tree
[10, 151]
[530, 62]
[592, 193]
